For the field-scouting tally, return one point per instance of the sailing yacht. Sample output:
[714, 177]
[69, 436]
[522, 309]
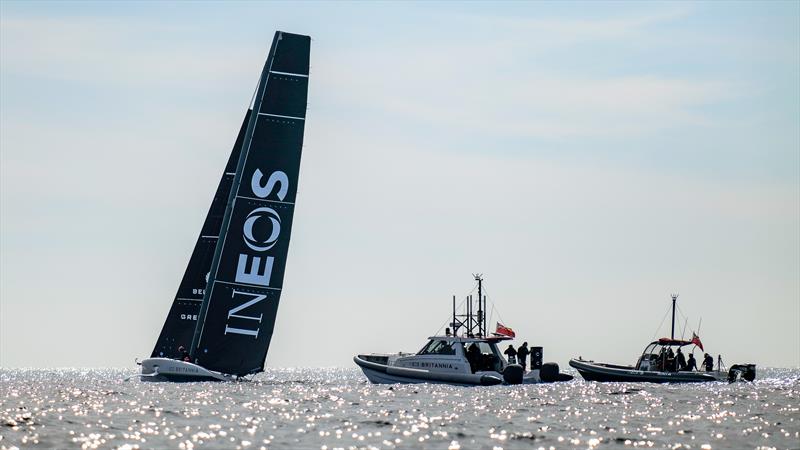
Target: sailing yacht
[220, 323]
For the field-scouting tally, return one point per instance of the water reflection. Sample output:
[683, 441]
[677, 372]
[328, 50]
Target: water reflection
[337, 408]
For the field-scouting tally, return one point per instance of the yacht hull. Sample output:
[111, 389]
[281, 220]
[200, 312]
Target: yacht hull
[592, 371]
[172, 370]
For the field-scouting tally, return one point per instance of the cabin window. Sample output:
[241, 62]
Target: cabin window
[438, 348]
[482, 356]
[483, 348]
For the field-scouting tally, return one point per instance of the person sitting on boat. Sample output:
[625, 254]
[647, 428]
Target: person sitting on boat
[184, 354]
[708, 363]
[680, 360]
[522, 354]
[512, 354]
[691, 364]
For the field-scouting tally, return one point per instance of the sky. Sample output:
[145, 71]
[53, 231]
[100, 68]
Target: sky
[590, 159]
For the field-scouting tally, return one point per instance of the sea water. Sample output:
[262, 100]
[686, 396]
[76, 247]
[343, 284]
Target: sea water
[338, 408]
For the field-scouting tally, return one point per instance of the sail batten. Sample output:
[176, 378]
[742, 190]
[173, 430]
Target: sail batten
[237, 315]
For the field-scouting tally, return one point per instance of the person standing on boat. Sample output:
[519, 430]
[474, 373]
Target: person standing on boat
[670, 364]
[473, 356]
[680, 360]
[522, 354]
[708, 362]
[661, 360]
[512, 354]
[691, 364]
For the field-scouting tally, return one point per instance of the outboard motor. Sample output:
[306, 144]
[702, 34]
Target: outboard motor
[512, 374]
[536, 358]
[742, 372]
[549, 372]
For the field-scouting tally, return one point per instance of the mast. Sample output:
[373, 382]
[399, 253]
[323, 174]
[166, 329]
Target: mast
[485, 330]
[473, 322]
[226, 218]
[481, 322]
[470, 322]
[180, 324]
[674, 298]
[453, 325]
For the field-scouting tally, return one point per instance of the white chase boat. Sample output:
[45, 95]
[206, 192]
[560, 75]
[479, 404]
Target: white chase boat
[221, 320]
[471, 358]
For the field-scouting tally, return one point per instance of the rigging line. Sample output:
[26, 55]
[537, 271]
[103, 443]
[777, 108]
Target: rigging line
[686, 320]
[473, 288]
[681, 312]
[662, 323]
[489, 299]
[253, 97]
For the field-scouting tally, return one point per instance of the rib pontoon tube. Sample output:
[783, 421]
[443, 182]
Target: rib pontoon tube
[395, 374]
[592, 371]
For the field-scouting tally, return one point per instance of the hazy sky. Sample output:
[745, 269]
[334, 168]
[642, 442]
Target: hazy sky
[589, 159]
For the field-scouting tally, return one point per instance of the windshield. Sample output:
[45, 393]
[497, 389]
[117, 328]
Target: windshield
[437, 348]
[669, 358]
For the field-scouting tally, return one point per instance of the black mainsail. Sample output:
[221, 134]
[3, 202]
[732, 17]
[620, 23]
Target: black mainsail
[237, 315]
[182, 317]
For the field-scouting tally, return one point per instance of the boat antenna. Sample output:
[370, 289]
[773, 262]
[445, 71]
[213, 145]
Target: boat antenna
[481, 324]
[674, 299]
[470, 319]
[453, 324]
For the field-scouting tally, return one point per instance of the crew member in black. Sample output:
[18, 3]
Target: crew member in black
[184, 354]
[708, 362]
[512, 354]
[680, 360]
[691, 364]
[661, 361]
[473, 356]
[670, 364]
[522, 354]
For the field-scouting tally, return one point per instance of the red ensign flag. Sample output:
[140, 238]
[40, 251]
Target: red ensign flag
[504, 330]
[696, 341]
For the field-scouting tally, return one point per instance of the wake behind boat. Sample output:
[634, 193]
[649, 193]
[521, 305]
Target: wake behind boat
[663, 361]
[221, 320]
[471, 358]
